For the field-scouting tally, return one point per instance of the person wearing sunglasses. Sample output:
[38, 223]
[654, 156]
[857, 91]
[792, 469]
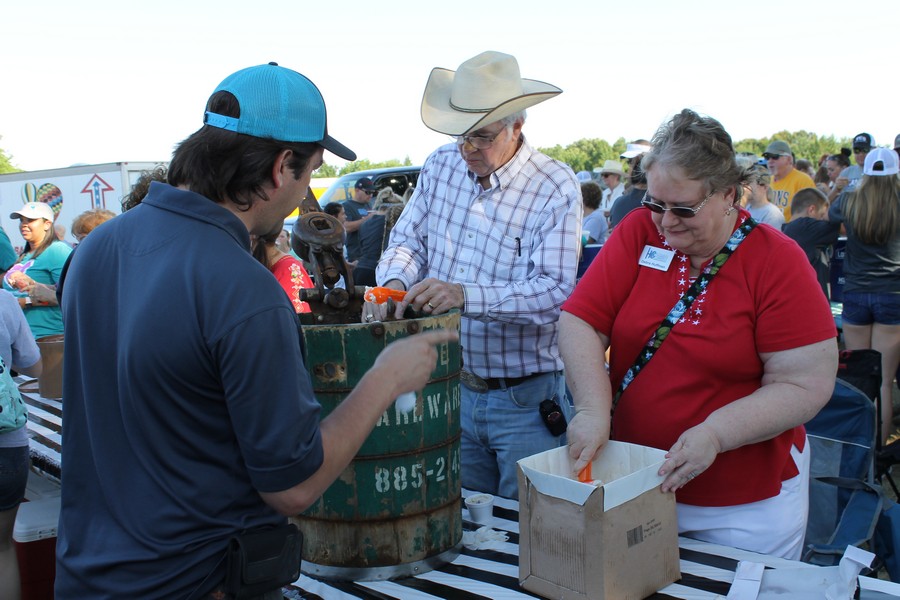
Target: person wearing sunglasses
[786, 179]
[741, 346]
[493, 229]
[612, 175]
[851, 176]
[358, 210]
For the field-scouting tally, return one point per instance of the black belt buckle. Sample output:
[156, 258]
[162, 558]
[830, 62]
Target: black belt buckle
[473, 382]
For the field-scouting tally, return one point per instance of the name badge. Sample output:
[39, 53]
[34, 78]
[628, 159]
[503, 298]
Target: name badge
[656, 258]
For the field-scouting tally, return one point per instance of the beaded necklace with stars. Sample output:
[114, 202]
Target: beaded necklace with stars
[684, 280]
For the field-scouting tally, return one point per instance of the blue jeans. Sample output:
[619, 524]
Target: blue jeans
[864, 309]
[14, 464]
[501, 426]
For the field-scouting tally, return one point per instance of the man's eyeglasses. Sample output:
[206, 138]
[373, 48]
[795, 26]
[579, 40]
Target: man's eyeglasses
[768, 156]
[479, 142]
[607, 174]
[859, 151]
[682, 212]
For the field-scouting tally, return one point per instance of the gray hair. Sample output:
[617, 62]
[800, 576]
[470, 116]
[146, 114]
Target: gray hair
[698, 146]
[510, 120]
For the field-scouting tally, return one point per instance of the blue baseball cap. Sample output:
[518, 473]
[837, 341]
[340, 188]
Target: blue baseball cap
[279, 104]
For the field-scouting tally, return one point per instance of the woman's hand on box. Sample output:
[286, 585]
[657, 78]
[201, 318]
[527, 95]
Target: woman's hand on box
[693, 452]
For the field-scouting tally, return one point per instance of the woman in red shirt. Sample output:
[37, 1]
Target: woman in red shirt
[752, 359]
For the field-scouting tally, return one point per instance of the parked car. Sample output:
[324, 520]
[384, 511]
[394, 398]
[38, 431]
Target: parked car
[399, 178]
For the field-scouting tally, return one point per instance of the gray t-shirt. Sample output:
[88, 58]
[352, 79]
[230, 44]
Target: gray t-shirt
[868, 268]
[854, 174]
[768, 213]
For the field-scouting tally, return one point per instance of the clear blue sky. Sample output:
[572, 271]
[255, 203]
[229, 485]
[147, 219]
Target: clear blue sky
[107, 81]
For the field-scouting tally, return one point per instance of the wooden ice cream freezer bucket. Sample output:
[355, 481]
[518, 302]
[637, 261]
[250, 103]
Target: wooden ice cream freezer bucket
[395, 510]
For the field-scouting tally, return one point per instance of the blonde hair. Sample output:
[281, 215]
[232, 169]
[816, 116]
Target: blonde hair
[88, 220]
[873, 210]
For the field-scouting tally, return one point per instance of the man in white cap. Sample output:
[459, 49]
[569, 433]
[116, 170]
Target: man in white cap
[493, 229]
[190, 420]
[612, 174]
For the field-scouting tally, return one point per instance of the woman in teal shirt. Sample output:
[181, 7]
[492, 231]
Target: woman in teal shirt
[41, 261]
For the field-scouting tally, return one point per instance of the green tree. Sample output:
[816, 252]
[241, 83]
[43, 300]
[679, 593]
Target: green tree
[804, 144]
[6, 165]
[325, 170]
[585, 154]
[364, 164]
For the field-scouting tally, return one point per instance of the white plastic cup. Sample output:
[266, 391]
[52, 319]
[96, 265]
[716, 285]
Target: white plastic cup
[481, 508]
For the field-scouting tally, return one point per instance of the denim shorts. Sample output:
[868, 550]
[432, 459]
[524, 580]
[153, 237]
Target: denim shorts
[13, 476]
[864, 309]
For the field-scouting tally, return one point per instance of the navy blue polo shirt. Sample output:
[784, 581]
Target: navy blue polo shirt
[184, 395]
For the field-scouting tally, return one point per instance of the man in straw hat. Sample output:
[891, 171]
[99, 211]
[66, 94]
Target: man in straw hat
[612, 174]
[492, 229]
[189, 418]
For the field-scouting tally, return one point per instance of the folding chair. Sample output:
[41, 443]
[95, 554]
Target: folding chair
[846, 501]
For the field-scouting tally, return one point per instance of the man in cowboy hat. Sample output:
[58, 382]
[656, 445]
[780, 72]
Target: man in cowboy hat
[612, 175]
[493, 229]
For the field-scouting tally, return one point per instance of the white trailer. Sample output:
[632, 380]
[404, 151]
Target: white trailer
[69, 191]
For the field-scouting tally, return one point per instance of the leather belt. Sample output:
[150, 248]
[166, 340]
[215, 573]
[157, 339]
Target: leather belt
[478, 384]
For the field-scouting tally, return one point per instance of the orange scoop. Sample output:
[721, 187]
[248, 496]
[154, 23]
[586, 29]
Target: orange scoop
[584, 476]
[380, 295]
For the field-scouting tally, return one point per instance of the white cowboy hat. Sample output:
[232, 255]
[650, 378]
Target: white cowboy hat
[482, 91]
[613, 166]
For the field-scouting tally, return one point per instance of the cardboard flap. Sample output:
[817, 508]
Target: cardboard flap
[625, 470]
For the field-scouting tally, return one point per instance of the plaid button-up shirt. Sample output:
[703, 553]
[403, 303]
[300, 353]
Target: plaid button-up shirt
[514, 248]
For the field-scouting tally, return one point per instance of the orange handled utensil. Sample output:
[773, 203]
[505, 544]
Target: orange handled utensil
[380, 295]
[584, 476]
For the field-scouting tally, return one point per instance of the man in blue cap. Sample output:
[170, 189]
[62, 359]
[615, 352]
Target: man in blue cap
[357, 211]
[189, 417]
[850, 177]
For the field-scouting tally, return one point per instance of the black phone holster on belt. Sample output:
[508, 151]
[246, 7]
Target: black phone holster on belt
[263, 559]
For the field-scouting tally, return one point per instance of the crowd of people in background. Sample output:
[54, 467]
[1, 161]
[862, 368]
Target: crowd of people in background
[494, 229]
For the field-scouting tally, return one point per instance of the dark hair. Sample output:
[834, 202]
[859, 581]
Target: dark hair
[333, 208]
[260, 244]
[805, 198]
[842, 160]
[591, 194]
[49, 237]
[142, 186]
[636, 173]
[222, 164]
[803, 165]
[698, 146]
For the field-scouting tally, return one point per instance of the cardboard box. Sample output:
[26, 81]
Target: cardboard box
[35, 540]
[616, 541]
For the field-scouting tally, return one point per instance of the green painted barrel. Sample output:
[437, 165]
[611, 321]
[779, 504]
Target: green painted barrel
[395, 510]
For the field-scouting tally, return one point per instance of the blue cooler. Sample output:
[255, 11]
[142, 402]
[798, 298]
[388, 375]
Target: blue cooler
[588, 253]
